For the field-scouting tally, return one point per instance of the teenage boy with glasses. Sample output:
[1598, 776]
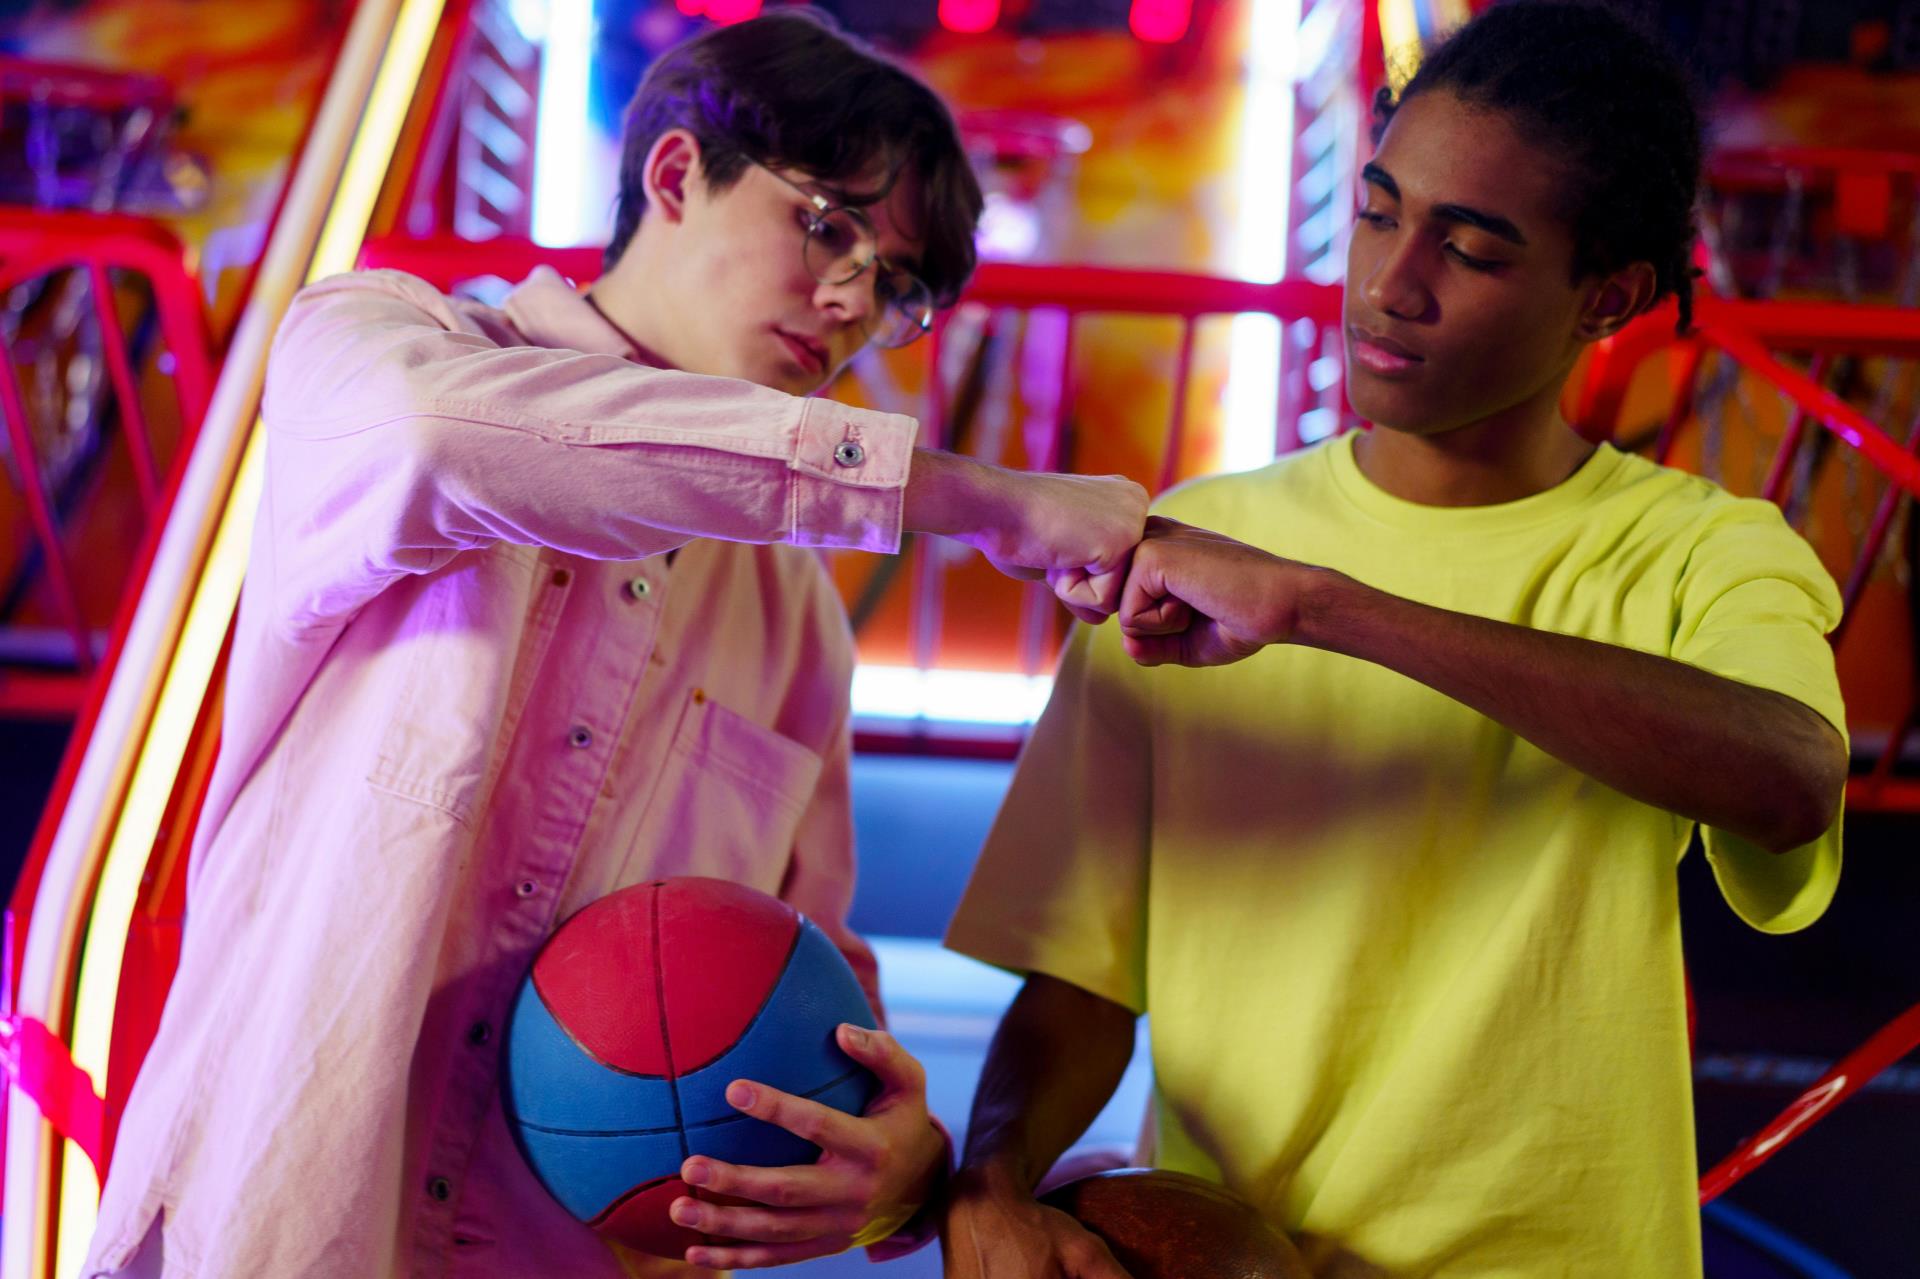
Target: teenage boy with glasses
[529, 620]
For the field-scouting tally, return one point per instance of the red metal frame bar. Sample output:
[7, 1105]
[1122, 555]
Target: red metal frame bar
[1775, 487]
[1875, 539]
[133, 419]
[1765, 168]
[65, 84]
[1892, 1042]
[46, 525]
[35, 243]
[1081, 289]
[445, 261]
[1832, 412]
[1833, 328]
[428, 159]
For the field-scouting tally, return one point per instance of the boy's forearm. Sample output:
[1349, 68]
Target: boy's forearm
[947, 494]
[1743, 759]
[1057, 1057]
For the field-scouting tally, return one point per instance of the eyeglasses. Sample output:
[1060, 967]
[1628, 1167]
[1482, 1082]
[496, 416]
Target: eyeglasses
[841, 244]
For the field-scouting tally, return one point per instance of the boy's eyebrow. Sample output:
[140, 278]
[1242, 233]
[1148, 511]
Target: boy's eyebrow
[1379, 177]
[847, 200]
[1491, 223]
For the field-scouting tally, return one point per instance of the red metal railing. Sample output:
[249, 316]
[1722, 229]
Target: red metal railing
[1855, 1071]
[1833, 227]
[72, 85]
[35, 244]
[42, 243]
[1079, 291]
[1750, 333]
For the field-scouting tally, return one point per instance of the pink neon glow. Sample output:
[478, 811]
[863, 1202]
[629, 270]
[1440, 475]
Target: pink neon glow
[1160, 21]
[969, 16]
[726, 11]
[692, 8]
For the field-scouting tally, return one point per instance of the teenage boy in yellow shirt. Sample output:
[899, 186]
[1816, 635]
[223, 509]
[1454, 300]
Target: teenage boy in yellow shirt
[1397, 886]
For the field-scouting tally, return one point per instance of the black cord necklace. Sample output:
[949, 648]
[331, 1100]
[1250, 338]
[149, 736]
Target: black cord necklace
[637, 352]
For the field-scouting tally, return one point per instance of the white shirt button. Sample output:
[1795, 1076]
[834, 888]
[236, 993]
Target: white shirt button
[526, 888]
[848, 453]
[639, 588]
[580, 738]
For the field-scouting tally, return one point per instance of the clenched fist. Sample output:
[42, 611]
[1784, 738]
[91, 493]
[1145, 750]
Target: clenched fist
[1200, 599]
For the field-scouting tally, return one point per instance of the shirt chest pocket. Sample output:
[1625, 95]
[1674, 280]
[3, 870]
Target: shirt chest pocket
[460, 653]
[728, 802]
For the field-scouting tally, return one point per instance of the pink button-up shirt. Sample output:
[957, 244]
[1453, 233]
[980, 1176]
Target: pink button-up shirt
[469, 694]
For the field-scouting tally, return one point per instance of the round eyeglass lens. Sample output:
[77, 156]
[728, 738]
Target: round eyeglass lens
[904, 310]
[840, 244]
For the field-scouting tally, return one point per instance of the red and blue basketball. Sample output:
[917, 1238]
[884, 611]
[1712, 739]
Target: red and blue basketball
[636, 1016]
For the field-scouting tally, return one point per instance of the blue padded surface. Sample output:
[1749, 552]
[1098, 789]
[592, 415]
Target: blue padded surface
[790, 1044]
[551, 1082]
[586, 1172]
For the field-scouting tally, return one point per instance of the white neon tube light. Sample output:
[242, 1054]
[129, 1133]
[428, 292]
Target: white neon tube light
[1260, 243]
[561, 135]
[949, 696]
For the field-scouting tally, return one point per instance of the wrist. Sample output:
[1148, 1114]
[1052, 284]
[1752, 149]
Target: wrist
[1327, 605]
[991, 1176]
[930, 1182]
[948, 495]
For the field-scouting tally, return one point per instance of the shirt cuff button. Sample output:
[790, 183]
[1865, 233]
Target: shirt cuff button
[848, 453]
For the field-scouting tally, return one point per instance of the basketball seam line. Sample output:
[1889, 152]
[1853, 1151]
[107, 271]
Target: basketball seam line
[684, 1127]
[802, 923]
[666, 1036]
[659, 985]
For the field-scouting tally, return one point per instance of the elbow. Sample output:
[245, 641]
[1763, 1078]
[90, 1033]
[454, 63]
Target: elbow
[1807, 803]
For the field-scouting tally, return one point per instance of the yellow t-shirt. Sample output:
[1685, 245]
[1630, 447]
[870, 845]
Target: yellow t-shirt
[1415, 985]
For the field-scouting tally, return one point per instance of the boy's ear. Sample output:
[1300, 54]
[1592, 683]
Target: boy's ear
[673, 166]
[1617, 299]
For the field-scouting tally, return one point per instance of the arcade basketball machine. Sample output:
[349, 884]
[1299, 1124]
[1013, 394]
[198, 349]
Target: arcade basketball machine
[133, 439]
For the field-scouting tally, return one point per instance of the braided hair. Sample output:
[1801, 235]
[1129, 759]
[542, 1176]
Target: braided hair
[1588, 84]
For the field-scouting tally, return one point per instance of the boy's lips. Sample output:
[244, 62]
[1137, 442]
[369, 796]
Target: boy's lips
[1378, 354]
[808, 353]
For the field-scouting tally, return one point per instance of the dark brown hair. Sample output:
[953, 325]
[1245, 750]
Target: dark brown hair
[789, 89]
[1596, 88]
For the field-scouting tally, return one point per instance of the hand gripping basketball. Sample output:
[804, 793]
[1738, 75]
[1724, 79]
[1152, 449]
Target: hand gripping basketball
[696, 1022]
[874, 1171]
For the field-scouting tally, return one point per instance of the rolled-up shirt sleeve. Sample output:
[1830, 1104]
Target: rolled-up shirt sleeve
[400, 434]
[1756, 605]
